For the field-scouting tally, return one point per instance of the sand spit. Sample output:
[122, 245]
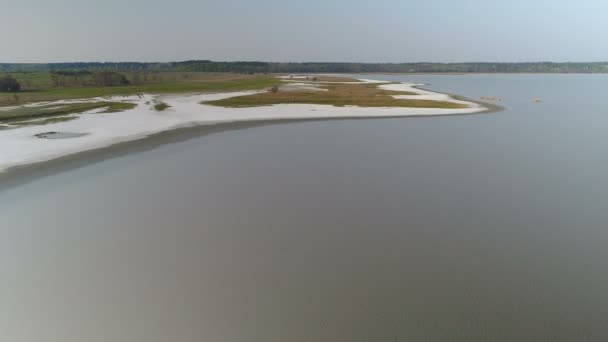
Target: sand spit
[422, 94]
[21, 146]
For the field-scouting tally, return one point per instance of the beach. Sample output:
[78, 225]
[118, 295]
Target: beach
[90, 131]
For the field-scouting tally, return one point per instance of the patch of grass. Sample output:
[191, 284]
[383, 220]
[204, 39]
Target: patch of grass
[116, 107]
[161, 106]
[212, 83]
[314, 78]
[29, 113]
[334, 79]
[45, 121]
[364, 95]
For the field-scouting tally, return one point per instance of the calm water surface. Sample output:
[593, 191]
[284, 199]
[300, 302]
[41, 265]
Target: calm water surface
[471, 228]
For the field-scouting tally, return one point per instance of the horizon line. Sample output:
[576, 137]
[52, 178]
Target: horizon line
[307, 62]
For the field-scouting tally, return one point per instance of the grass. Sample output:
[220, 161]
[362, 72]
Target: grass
[200, 83]
[45, 121]
[116, 107]
[52, 111]
[335, 79]
[33, 79]
[364, 95]
[161, 106]
[39, 87]
[321, 78]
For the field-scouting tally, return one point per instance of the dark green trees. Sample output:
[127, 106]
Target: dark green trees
[9, 84]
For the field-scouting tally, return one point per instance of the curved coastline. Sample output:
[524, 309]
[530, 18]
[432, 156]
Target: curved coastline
[176, 125]
[491, 107]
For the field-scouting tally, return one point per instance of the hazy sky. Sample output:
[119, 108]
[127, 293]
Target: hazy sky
[304, 30]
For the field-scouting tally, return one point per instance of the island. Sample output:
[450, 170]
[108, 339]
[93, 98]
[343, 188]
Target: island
[56, 114]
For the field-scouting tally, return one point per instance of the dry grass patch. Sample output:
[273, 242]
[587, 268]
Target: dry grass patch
[335, 79]
[313, 78]
[363, 95]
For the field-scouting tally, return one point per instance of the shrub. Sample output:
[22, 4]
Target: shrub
[9, 84]
[161, 106]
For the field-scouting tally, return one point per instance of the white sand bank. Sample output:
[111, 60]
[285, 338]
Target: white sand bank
[422, 94]
[19, 146]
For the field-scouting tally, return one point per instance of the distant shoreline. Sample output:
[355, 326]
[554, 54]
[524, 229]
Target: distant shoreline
[312, 67]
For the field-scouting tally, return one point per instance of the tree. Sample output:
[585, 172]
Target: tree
[9, 84]
[109, 79]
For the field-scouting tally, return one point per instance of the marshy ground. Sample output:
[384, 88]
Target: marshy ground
[34, 105]
[339, 93]
[52, 113]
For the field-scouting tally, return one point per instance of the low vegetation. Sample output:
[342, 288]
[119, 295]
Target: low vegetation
[88, 79]
[161, 106]
[116, 107]
[19, 114]
[77, 84]
[41, 87]
[320, 78]
[41, 122]
[365, 95]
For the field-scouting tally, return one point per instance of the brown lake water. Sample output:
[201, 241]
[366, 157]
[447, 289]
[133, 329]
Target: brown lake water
[490, 227]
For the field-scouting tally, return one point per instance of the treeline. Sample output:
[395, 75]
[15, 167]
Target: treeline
[87, 78]
[264, 67]
[82, 66]
[267, 67]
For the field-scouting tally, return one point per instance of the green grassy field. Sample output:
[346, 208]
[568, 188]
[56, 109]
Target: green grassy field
[33, 80]
[40, 87]
[194, 82]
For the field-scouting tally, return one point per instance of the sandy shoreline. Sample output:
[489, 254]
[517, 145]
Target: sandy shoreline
[22, 152]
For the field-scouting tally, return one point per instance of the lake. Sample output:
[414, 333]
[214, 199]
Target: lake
[489, 227]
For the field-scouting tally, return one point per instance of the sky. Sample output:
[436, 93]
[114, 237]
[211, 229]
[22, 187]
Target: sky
[304, 30]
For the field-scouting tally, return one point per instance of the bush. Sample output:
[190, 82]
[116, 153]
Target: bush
[161, 106]
[9, 84]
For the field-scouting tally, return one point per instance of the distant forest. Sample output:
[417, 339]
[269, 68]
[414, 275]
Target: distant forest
[266, 67]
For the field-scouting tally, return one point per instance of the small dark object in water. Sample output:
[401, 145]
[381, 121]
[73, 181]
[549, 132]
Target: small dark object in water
[44, 135]
[59, 135]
